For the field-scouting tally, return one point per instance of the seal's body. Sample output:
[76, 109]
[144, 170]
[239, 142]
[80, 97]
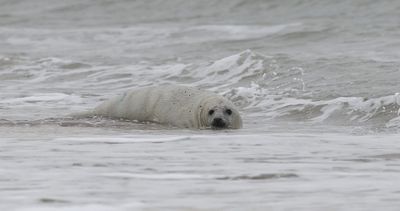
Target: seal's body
[179, 106]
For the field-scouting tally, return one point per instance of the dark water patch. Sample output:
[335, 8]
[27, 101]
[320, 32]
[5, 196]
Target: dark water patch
[358, 160]
[390, 156]
[259, 176]
[53, 201]
[75, 65]
[5, 122]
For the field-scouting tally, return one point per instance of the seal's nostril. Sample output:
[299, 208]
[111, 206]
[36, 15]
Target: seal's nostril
[218, 120]
[218, 123]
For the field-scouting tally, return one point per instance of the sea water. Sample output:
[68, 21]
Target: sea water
[316, 82]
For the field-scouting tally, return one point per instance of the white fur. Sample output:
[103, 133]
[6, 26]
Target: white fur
[179, 106]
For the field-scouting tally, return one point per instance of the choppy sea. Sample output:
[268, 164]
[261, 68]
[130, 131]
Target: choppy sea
[316, 82]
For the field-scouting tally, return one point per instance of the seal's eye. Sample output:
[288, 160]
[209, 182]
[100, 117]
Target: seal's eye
[210, 112]
[228, 111]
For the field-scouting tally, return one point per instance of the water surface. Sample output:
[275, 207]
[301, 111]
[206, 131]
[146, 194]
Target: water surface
[316, 84]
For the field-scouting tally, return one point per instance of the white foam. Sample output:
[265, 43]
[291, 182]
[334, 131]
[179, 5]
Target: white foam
[229, 71]
[393, 123]
[43, 97]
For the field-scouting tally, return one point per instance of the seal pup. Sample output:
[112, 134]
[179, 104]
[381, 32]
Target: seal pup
[180, 106]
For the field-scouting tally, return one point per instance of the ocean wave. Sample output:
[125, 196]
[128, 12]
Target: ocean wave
[249, 80]
[266, 87]
[382, 111]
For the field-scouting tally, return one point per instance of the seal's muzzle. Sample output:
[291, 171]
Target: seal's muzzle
[218, 123]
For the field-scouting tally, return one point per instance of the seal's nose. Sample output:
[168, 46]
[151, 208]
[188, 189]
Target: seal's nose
[218, 123]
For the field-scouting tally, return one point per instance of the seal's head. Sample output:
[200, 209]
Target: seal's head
[220, 114]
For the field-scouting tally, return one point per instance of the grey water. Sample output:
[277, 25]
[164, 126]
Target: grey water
[316, 82]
